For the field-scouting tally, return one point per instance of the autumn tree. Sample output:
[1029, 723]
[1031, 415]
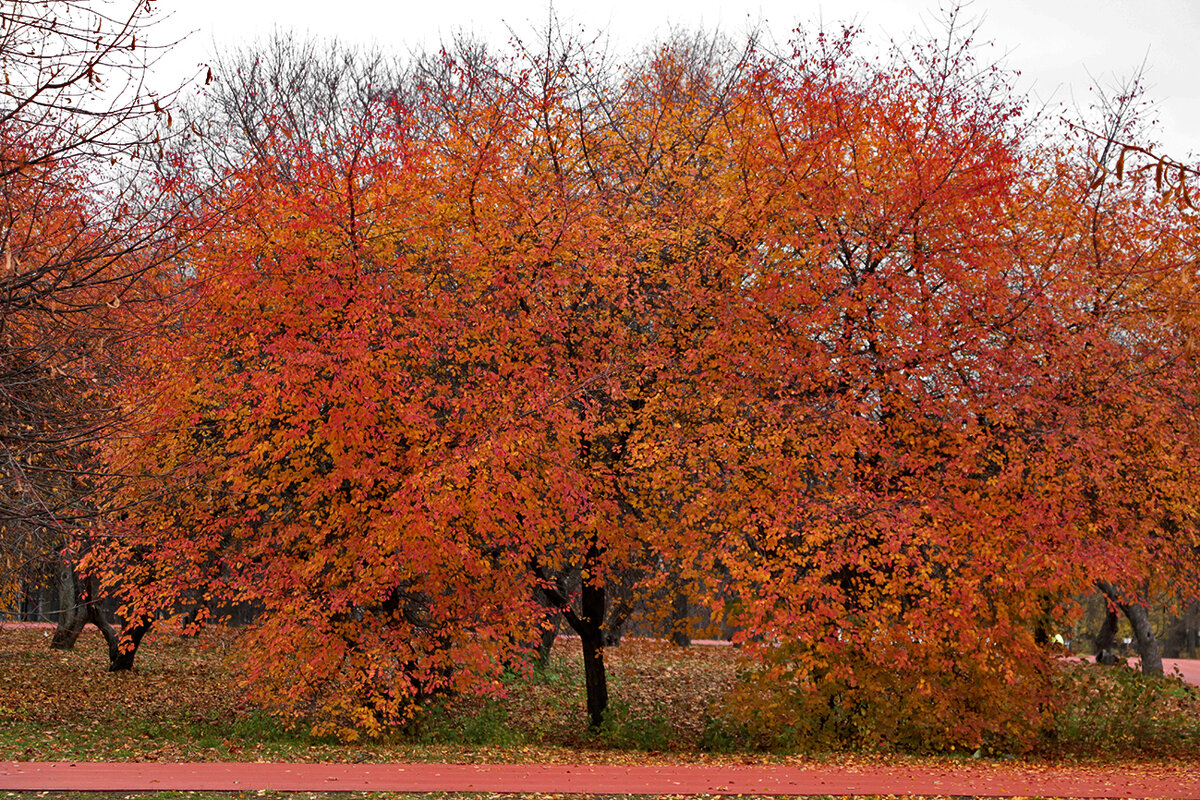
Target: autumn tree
[1139, 208]
[307, 330]
[825, 341]
[81, 226]
[975, 399]
[485, 254]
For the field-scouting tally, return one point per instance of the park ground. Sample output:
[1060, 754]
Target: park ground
[178, 711]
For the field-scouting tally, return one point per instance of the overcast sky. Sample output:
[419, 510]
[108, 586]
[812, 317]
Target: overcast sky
[1060, 46]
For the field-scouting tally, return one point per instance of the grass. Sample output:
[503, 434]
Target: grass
[177, 705]
[659, 701]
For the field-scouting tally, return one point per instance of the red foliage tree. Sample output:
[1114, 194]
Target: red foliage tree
[831, 340]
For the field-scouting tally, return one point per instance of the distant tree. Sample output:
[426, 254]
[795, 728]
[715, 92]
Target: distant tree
[83, 228]
[1141, 228]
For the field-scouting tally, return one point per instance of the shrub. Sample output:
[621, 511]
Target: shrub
[1120, 710]
[911, 698]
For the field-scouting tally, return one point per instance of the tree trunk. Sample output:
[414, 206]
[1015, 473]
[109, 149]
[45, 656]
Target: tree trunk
[1106, 639]
[591, 634]
[73, 607]
[680, 620]
[589, 625]
[111, 637]
[122, 649]
[66, 633]
[81, 606]
[1147, 642]
[1143, 631]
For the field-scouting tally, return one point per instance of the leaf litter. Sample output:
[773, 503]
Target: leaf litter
[179, 705]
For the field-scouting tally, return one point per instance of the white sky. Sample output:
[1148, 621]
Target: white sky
[1058, 45]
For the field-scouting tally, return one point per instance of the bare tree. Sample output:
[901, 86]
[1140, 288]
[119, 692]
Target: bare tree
[286, 90]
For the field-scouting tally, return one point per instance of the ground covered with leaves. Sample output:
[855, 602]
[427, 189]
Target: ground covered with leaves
[259, 795]
[179, 704]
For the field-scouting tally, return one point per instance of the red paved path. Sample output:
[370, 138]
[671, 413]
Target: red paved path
[973, 780]
[1188, 669]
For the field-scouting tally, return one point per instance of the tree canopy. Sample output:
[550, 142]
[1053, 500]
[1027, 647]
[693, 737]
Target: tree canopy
[843, 348]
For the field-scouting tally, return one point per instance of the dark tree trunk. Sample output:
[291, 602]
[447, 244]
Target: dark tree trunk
[680, 620]
[1147, 642]
[1106, 639]
[122, 648]
[546, 643]
[111, 637]
[1143, 631]
[80, 602]
[591, 634]
[589, 625]
[73, 603]
[70, 626]
[66, 634]
[1043, 631]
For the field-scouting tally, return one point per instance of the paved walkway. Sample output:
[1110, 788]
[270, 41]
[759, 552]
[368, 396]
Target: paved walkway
[1187, 669]
[976, 780]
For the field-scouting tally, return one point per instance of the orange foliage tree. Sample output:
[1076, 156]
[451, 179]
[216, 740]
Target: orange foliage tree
[830, 342]
[997, 404]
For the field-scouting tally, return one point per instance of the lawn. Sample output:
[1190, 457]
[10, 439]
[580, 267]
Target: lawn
[178, 704]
